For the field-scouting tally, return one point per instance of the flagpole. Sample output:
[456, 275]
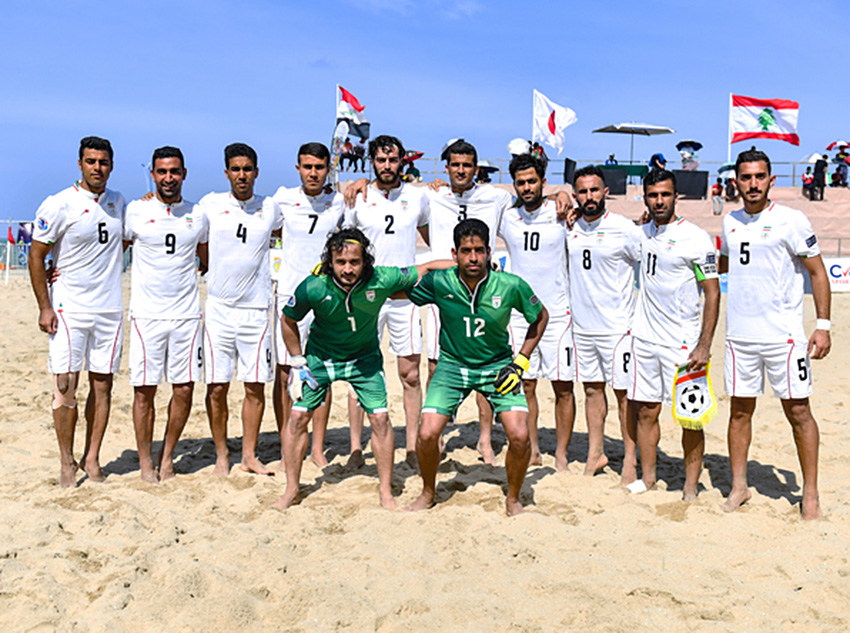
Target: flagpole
[335, 176]
[729, 144]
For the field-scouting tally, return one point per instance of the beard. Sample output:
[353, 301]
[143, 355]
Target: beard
[588, 212]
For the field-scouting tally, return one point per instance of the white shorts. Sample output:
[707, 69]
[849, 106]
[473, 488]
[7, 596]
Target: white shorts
[172, 348]
[404, 321]
[237, 335]
[603, 358]
[787, 364]
[653, 371]
[93, 337]
[554, 356]
[432, 331]
[283, 356]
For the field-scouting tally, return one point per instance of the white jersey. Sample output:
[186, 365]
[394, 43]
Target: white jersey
[390, 220]
[482, 202]
[307, 221]
[766, 273]
[86, 231]
[676, 257]
[602, 254]
[239, 235]
[537, 245]
[164, 283]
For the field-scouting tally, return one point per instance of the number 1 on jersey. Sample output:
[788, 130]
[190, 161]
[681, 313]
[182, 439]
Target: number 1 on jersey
[353, 323]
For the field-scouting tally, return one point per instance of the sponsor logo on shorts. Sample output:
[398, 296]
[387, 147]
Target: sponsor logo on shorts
[497, 301]
[811, 241]
[405, 270]
[370, 295]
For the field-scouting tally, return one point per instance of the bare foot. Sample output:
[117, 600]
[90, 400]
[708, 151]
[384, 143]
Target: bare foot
[68, 474]
[536, 459]
[411, 460]
[689, 494]
[289, 498]
[513, 507]
[222, 467]
[355, 460]
[810, 508]
[561, 464]
[148, 474]
[166, 470]
[485, 449]
[736, 499]
[318, 459]
[254, 465]
[388, 502]
[628, 476]
[422, 502]
[594, 465]
[93, 471]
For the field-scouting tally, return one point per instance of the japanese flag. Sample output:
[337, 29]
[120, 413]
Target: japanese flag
[550, 121]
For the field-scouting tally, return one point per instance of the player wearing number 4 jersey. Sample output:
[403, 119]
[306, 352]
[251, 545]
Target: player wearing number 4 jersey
[475, 309]
[309, 216]
[81, 227]
[766, 249]
[537, 244]
[166, 333]
[237, 328]
[678, 259]
[603, 248]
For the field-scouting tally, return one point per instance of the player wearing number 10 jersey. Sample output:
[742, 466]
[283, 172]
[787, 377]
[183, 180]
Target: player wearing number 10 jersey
[237, 328]
[165, 309]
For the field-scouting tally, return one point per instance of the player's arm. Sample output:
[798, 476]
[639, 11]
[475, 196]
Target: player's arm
[422, 270]
[564, 207]
[535, 332]
[438, 182]
[723, 264]
[510, 375]
[38, 277]
[425, 233]
[203, 253]
[361, 186]
[710, 311]
[291, 336]
[300, 371]
[820, 341]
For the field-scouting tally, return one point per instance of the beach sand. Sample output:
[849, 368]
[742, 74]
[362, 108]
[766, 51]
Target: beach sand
[200, 554]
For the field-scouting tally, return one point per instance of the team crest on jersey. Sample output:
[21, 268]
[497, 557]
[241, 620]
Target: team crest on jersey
[189, 222]
[765, 232]
[497, 301]
[600, 236]
[404, 205]
[534, 300]
[111, 206]
[42, 224]
[370, 295]
[670, 245]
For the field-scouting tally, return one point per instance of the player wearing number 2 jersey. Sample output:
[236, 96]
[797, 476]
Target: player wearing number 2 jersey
[81, 227]
[237, 328]
[603, 248]
[309, 216]
[766, 248]
[166, 335]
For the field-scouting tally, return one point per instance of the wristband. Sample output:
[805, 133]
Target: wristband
[297, 361]
[823, 324]
[522, 362]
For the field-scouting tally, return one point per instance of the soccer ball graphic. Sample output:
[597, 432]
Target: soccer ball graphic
[692, 400]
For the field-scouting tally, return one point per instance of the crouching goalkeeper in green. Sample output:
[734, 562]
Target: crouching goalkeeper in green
[475, 309]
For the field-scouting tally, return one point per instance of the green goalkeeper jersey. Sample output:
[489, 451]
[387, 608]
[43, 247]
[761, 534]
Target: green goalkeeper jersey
[345, 326]
[474, 324]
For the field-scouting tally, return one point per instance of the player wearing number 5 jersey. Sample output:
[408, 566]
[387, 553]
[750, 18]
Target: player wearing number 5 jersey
[237, 327]
[603, 248]
[475, 309]
[81, 228]
[166, 333]
[767, 248]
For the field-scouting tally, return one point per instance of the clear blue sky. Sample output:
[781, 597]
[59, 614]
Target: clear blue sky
[203, 73]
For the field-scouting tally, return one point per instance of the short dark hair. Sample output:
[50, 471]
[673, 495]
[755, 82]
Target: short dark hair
[95, 143]
[460, 146]
[658, 175]
[752, 155]
[589, 170]
[524, 161]
[239, 149]
[317, 150]
[470, 228]
[167, 151]
[386, 143]
[336, 242]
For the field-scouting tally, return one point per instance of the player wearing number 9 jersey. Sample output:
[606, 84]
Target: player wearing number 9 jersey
[767, 248]
[237, 327]
[603, 248]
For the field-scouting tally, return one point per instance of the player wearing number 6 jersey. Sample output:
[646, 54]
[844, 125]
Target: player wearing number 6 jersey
[767, 248]
[237, 328]
[603, 248]
[537, 244]
[475, 355]
[81, 227]
[166, 334]
[309, 216]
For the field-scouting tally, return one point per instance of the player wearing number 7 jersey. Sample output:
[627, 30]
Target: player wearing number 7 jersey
[237, 327]
[166, 334]
[766, 249]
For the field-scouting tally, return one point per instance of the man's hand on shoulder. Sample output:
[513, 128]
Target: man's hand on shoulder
[361, 186]
[435, 186]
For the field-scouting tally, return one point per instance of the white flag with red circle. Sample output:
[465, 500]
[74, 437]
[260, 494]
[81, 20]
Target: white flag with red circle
[550, 121]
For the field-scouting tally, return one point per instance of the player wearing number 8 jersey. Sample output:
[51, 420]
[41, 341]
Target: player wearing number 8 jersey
[237, 327]
[603, 248]
[475, 309]
[166, 334]
[767, 248]
[81, 227]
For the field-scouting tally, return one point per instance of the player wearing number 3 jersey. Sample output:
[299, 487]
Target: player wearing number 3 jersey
[237, 328]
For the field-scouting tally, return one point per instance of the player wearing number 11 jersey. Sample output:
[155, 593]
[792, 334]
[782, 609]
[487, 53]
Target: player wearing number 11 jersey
[237, 327]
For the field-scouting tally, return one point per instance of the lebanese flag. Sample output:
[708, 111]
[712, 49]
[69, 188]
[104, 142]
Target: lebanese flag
[348, 109]
[763, 118]
[550, 121]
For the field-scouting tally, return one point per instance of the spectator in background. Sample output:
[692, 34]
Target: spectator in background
[611, 160]
[820, 178]
[809, 184]
[347, 153]
[731, 190]
[657, 161]
[360, 155]
[538, 152]
[717, 196]
[837, 179]
[482, 176]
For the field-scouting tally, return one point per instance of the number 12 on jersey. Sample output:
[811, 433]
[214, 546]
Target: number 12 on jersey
[474, 327]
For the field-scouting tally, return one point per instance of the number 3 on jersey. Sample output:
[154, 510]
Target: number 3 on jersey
[474, 327]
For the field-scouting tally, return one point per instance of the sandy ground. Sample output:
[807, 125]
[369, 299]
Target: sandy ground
[200, 554]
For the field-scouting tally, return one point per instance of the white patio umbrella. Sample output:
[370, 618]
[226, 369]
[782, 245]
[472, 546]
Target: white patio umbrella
[641, 129]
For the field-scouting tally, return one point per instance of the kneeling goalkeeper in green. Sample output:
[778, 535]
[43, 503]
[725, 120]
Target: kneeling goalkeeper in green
[475, 355]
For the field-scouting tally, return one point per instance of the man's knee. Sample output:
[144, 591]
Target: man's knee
[380, 423]
[299, 421]
[516, 427]
[798, 411]
[65, 390]
[408, 371]
[430, 429]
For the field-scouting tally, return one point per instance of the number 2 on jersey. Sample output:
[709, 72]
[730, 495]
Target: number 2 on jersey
[477, 324]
